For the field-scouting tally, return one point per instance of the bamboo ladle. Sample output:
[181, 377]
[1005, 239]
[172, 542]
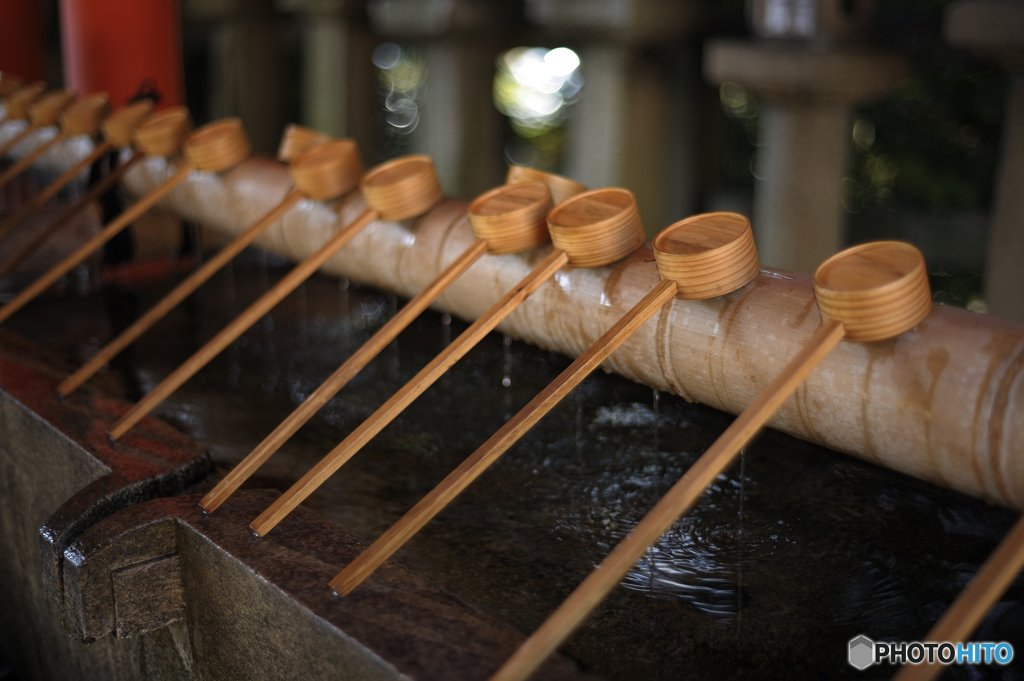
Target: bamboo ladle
[508, 219]
[78, 118]
[118, 130]
[197, 278]
[702, 257]
[297, 140]
[214, 148]
[591, 229]
[9, 84]
[42, 113]
[17, 105]
[397, 190]
[970, 607]
[81, 118]
[866, 293]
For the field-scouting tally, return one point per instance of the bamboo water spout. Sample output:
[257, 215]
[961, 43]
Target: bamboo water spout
[591, 229]
[698, 258]
[289, 146]
[867, 293]
[214, 147]
[399, 189]
[507, 219]
[117, 133]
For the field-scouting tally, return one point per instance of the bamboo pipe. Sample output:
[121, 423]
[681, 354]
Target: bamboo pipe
[17, 104]
[400, 189]
[701, 257]
[970, 607]
[591, 229]
[508, 219]
[867, 293]
[214, 147]
[42, 113]
[942, 404]
[117, 132]
[196, 279]
[81, 118]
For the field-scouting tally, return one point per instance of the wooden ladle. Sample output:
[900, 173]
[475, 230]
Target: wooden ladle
[702, 257]
[215, 147]
[866, 293]
[508, 219]
[82, 117]
[117, 133]
[396, 190]
[42, 112]
[9, 84]
[194, 281]
[297, 140]
[591, 229]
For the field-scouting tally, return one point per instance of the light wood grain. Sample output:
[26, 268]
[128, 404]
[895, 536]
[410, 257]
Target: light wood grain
[180, 292]
[394, 406]
[18, 103]
[85, 250]
[974, 602]
[238, 326]
[679, 499]
[341, 377]
[52, 190]
[453, 485]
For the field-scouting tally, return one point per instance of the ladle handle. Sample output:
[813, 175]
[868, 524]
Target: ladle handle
[20, 167]
[103, 236]
[180, 292]
[341, 377]
[453, 485]
[52, 189]
[971, 606]
[284, 504]
[13, 142]
[240, 324]
[680, 498]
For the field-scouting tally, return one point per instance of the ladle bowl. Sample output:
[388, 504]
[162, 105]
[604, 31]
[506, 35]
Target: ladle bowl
[512, 218]
[84, 116]
[163, 132]
[562, 188]
[877, 290]
[403, 188]
[217, 146]
[45, 110]
[597, 227]
[119, 127]
[18, 103]
[328, 171]
[297, 140]
[707, 255]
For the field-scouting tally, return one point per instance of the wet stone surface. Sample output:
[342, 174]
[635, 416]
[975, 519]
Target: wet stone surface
[795, 550]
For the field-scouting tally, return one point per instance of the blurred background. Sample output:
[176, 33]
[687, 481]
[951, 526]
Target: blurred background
[828, 122]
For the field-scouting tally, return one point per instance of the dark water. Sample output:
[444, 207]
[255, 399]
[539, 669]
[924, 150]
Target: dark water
[793, 551]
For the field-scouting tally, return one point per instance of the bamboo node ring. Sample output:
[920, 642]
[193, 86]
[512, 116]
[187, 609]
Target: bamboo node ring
[512, 218]
[84, 116]
[45, 110]
[403, 188]
[597, 227]
[707, 255]
[217, 146]
[562, 188]
[297, 140]
[328, 171]
[163, 133]
[119, 127]
[877, 290]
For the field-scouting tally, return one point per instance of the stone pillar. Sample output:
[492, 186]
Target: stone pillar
[809, 85]
[996, 29]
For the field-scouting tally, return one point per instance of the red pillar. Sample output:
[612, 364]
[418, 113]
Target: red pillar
[21, 39]
[114, 45]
